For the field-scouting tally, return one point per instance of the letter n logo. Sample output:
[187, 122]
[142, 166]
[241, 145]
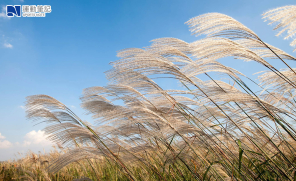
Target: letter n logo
[13, 10]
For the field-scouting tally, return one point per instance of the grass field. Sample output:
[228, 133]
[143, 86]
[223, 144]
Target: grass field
[215, 128]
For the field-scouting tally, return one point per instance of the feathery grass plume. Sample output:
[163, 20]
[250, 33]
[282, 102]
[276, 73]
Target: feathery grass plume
[220, 25]
[284, 19]
[260, 49]
[118, 67]
[270, 79]
[213, 28]
[215, 48]
[217, 24]
[64, 131]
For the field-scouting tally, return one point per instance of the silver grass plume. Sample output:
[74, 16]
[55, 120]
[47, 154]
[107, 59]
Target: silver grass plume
[284, 19]
[217, 24]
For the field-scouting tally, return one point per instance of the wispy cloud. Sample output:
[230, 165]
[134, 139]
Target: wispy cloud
[8, 45]
[22, 1]
[3, 13]
[1, 136]
[22, 107]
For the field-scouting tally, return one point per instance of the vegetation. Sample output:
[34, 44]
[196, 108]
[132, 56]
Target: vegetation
[207, 129]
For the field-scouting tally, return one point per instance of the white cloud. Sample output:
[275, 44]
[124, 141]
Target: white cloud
[23, 107]
[26, 143]
[22, 1]
[36, 137]
[8, 45]
[3, 13]
[1, 136]
[5, 144]
[34, 140]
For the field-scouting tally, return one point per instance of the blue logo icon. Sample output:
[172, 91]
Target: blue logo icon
[12, 11]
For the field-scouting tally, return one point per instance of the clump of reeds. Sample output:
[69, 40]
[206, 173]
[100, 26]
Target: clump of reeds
[207, 129]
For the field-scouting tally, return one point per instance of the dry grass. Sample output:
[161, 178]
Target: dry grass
[207, 129]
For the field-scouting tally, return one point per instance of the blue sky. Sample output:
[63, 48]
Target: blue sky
[70, 49]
